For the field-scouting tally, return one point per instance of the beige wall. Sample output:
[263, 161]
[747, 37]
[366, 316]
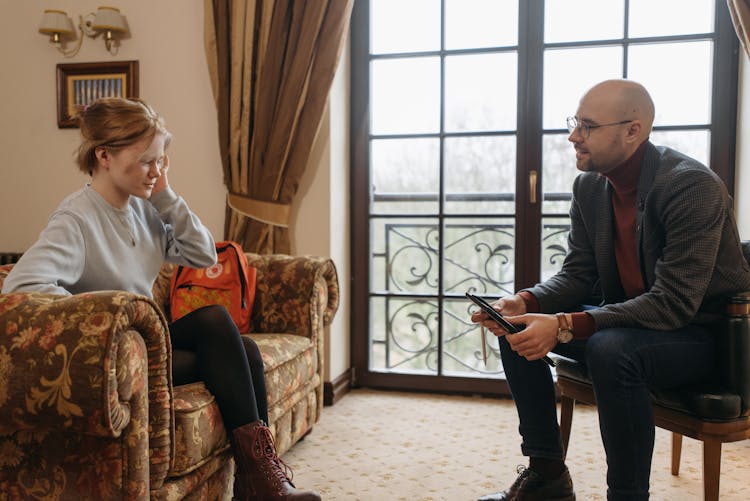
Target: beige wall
[37, 169]
[324, 193]
[37, 166]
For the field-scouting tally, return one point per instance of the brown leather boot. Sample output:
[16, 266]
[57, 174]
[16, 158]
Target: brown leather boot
[261, 474]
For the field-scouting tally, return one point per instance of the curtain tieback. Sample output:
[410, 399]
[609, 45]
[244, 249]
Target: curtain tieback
[266, 212]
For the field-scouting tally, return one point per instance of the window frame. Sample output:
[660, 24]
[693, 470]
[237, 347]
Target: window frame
[530, 132]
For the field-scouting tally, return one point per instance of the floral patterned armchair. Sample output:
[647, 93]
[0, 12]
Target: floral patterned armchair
[87, 406]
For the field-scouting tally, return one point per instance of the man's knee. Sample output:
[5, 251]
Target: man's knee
[606, 351]
[604, 342]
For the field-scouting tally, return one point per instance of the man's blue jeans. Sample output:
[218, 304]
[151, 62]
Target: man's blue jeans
[623, 364]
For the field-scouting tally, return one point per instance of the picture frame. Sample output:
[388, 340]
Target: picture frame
[80, 84]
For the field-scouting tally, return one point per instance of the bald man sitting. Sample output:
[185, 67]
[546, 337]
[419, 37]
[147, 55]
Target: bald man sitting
[653, 232]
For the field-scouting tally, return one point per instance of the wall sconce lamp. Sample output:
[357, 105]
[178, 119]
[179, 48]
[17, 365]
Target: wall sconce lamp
[107, 21]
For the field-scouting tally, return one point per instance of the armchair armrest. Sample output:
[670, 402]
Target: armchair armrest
[294, 294]
[74, 363]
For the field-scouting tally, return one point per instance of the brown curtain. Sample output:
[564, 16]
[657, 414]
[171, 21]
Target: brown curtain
[271, 63]
[740, 12]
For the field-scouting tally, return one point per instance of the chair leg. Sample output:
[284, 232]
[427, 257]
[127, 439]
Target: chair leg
[711, 469]
[676, 452]
[566, 420]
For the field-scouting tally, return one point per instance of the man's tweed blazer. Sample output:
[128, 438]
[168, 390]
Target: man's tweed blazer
[689, 250]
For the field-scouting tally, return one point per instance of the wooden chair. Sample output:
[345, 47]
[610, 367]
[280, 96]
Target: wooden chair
[715, 412]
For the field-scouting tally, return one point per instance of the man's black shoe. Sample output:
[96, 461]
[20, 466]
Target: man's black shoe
[530, 486]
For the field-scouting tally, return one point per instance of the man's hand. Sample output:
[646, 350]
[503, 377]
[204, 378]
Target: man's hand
[537, 339]
[511, 305]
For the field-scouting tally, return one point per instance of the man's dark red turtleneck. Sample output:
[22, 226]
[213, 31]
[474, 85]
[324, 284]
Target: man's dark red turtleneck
[624, 180]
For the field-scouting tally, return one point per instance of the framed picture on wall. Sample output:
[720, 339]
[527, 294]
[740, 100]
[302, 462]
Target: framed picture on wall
[80, 84]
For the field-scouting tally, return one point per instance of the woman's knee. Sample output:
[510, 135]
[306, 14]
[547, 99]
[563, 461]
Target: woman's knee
[212, 329]
[216, 318]
[212, 313]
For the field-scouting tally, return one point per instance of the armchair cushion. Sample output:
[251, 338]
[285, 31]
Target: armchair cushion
[199, 429]
[290, 362]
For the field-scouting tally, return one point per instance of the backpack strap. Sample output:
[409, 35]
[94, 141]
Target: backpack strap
[240, 270]
[177, 273]
[173, 282]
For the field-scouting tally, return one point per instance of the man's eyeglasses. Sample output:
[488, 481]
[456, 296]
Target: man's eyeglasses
[585, 127]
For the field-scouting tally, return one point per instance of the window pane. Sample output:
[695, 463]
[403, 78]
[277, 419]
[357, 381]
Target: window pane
[693, 143]
[479, 256]
[480, 92]
[404, 255]
[568, 73]
[480, 175]
[398, 26]
[462, 352]
[558, 172]
[554, 244]
[670, 17]
[480, 23]
[678, 77]
[403, 335]
[405, 175]
[576, 20]
[405, 95]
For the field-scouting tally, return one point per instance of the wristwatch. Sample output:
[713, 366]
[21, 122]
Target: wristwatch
[564, 329]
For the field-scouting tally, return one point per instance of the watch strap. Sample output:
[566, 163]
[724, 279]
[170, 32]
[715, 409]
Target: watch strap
[564, 329]
[562, 320]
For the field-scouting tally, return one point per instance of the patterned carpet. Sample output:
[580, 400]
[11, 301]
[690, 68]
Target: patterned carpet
[375, 445]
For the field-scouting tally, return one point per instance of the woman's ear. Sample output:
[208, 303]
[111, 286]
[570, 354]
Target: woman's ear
[102, 156]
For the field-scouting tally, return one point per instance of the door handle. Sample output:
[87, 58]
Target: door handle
[533, 175]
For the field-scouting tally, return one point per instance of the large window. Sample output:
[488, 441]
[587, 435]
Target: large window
[461, 168]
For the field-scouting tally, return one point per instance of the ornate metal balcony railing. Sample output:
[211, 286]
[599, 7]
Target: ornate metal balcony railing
[476, 255]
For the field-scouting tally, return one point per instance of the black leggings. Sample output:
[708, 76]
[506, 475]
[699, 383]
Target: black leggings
[206, 346]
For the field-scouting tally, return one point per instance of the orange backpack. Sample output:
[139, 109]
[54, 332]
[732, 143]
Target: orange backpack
[230, 283]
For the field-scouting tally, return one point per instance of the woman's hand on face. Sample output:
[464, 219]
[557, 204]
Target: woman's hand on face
[162, 183]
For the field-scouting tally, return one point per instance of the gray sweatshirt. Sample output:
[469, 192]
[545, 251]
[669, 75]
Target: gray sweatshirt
[89, 245]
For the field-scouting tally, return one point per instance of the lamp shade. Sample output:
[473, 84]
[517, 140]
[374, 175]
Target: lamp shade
[109, 18]
[56, 21]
